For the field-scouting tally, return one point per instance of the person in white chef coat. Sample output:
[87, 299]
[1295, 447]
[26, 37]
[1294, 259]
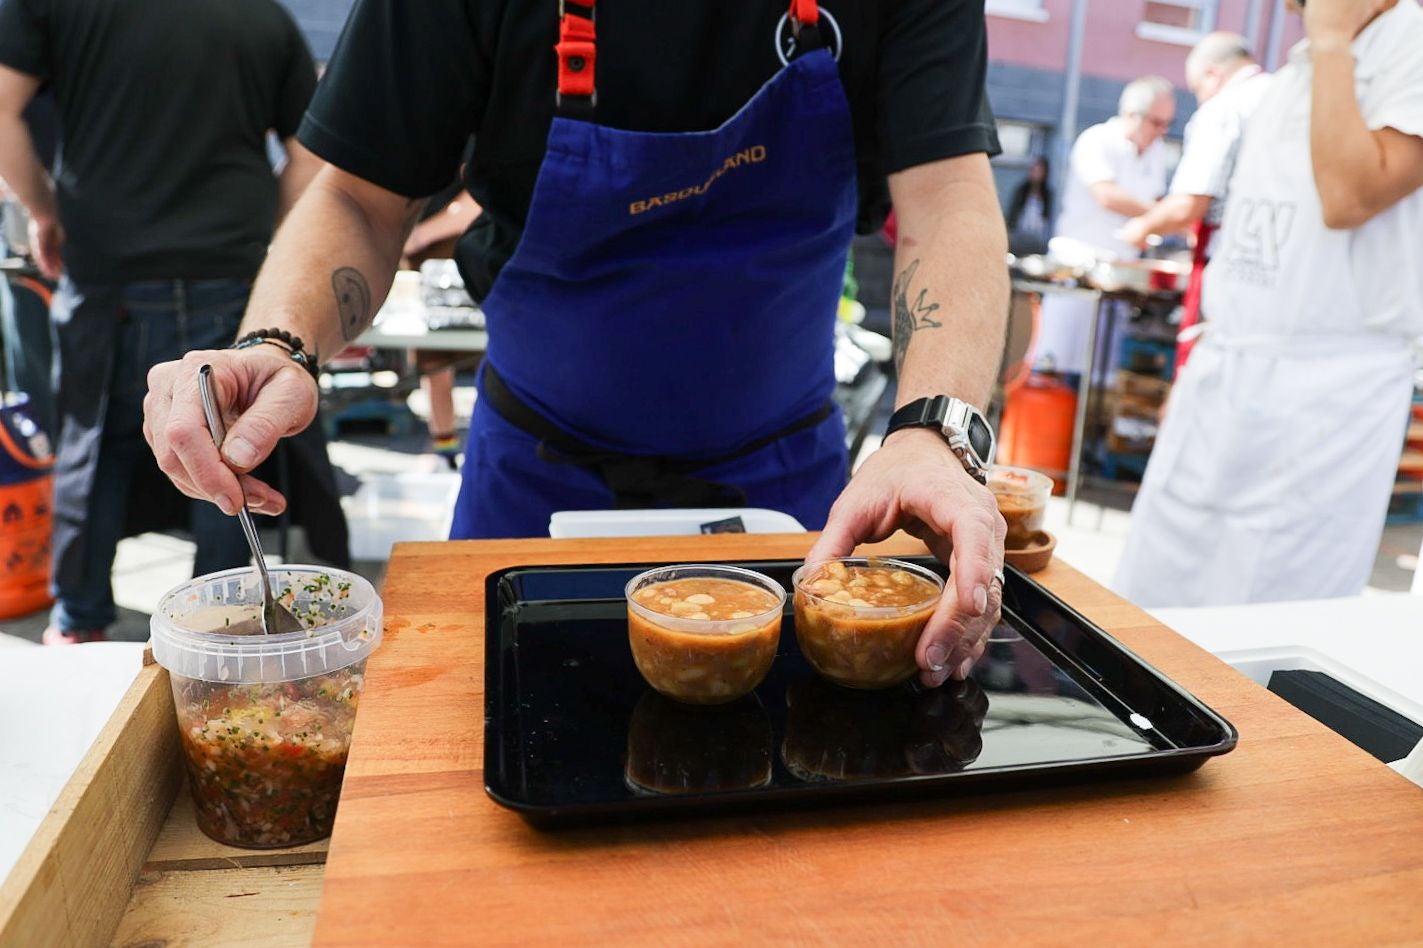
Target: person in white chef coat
[1272, 473]
[1117, 171]
[1229, 85]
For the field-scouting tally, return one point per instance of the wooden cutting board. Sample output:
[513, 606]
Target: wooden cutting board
[1297, 835]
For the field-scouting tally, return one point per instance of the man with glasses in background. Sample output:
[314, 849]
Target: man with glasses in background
[1117, 171]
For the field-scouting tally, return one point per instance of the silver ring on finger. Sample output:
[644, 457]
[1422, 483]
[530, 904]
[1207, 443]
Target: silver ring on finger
[1002, 579]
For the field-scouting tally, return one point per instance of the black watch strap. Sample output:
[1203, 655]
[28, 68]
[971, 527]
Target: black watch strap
[920, 413]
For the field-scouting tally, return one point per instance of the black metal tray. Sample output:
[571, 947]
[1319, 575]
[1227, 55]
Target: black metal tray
[574, 735]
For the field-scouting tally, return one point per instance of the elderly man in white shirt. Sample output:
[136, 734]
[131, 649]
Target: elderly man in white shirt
[1272, 473]
[1229, 85]
[1117, 170]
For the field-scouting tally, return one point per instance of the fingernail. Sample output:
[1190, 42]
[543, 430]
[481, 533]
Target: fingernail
[938, 678]
[980, 600]
[225, 504]
[965, 667]
[937, 655]
[239, 451]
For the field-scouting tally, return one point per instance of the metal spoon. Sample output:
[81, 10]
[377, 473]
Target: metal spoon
[276, 618]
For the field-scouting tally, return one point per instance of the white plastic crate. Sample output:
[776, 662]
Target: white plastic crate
[400, 508]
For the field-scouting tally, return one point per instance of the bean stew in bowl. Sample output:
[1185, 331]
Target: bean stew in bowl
[704, 634]
[858, 619]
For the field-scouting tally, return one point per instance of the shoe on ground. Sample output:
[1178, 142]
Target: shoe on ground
[56, 636]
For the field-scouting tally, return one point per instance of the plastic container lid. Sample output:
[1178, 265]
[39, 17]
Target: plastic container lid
[188, 625]
[1018, 480]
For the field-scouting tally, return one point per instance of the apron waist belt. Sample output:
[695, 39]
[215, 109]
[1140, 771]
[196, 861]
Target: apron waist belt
[1306, 345]
[637, 481]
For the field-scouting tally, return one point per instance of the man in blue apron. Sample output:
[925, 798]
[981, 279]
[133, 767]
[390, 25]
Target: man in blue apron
[669, 192]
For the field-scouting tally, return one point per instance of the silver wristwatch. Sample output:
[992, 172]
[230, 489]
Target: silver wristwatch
[964, 428]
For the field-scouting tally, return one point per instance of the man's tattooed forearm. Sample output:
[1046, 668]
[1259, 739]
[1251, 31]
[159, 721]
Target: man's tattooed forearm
[908, 316]
[353, 300]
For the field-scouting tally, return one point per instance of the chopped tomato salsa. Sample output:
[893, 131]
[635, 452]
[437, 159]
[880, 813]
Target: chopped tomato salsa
[265, 761]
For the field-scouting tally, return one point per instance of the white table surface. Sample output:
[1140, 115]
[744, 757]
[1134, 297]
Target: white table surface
[53, 703]
[1372, 643]
[404, 327]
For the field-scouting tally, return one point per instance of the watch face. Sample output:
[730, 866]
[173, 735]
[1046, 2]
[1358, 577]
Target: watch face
[980, 436]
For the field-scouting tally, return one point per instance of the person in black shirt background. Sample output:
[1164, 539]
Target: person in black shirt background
[669, 191]
[157, 218]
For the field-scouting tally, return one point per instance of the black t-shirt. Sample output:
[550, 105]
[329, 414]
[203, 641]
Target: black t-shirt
[411, 80]
[164, 109]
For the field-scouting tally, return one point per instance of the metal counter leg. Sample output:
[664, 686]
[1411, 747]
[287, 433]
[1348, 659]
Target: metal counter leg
[1079, 424]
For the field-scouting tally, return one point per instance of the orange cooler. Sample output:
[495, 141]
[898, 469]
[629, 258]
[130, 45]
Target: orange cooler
[1036, 430]
[26, 488]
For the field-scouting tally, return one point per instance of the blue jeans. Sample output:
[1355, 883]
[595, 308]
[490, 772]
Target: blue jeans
[158, 322]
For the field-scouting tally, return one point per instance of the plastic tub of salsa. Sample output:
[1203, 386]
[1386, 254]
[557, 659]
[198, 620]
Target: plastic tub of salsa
[266, 720]
[858, 619]
[1022, 497]
[704, 634]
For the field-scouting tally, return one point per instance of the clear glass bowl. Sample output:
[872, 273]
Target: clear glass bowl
[698, 656]
[850, 639]
[1022, 496]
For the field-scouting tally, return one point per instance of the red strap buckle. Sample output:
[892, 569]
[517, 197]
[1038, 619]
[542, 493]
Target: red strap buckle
[577, 56]
[805, 12]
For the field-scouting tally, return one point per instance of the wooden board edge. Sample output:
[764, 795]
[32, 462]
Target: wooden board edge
[73, 882]
[252, 860]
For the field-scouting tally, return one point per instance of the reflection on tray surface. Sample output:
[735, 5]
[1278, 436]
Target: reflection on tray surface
[678, 748]
[1037, 713]
[833, 733]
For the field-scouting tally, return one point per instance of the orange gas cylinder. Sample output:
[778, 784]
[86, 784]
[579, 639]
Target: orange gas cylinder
[26, 486]
[1036, 430]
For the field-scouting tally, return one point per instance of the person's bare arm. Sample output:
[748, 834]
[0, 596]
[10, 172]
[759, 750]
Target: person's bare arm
[950, 306]
[950, 294]
[331, 263]
[1358, 172]
[1172, 214]
[452, 221]
[300, 168]
[22, 172]
[1115, 198]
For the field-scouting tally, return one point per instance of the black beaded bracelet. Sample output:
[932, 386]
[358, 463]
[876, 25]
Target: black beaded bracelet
[282, 339]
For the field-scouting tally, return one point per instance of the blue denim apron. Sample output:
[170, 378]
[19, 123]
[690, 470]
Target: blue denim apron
[673, 299]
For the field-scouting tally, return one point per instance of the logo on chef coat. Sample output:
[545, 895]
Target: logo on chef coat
[1257, 231]
[786, 39]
